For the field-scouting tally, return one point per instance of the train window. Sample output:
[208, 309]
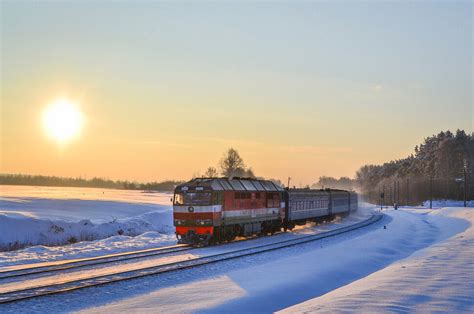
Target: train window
[193, 198]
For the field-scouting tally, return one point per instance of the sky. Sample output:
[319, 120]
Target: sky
[300, 89]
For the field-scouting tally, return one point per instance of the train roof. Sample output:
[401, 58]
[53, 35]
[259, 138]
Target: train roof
[226, 184]
[312, 191]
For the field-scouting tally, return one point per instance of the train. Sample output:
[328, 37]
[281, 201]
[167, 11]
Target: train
[215, 210]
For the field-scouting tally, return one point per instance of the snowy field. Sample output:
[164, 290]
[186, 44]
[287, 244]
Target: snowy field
[414, 259]
[439, 278]
[421, 261]
[58, 215]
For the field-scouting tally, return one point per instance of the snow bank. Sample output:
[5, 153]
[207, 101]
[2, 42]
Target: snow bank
[447, 203]
[436, 279]
[111, 245]
[20, 230]
[49, 217]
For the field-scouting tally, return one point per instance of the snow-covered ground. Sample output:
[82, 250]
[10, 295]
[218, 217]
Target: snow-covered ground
[414, 259]
[422, 260]
[437, 279]
[150, 261]
[57, 215]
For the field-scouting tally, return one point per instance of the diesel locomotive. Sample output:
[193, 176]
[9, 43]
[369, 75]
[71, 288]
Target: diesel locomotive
[210, 210]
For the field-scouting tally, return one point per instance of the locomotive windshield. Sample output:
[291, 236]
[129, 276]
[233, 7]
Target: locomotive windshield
[193, 198]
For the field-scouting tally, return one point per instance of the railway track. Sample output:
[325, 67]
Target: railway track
[67, 265]
[99, 260]
[69, 285]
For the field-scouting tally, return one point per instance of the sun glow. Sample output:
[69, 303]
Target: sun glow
[63, 120]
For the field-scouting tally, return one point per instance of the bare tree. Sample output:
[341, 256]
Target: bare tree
[232, 164]
[211, 172]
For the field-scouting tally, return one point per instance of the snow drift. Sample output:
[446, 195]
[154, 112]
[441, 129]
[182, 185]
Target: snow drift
[19, 230]
[56, 216]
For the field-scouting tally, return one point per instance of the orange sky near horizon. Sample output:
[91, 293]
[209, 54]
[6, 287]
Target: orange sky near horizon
[165, 89]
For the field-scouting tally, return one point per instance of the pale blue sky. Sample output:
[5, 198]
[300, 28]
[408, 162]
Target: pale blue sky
[343, 83]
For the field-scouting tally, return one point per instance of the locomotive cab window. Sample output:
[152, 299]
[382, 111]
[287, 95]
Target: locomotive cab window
[193, 198]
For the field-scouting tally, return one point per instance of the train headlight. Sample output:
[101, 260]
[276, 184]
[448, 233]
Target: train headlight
[206, 222]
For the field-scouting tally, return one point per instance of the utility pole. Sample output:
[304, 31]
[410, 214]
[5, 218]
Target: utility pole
[394, 193]
[383, 194]
[398, 192]
[431, 192]
[288, 186]
[408, 191]
[380, 199]
[465, 184]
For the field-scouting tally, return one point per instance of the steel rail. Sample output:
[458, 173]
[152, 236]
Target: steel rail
[65, 286]
[98, 260]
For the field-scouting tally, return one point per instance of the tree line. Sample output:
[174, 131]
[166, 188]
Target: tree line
[39, 180]
[343, 183]
[437, 169]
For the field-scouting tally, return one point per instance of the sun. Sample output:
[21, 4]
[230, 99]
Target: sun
[63, 120]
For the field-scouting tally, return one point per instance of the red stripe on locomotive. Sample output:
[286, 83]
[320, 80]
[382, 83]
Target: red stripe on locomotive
[198, 230]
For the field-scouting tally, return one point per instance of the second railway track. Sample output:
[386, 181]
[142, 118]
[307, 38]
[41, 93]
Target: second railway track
[92, 261]
[65, 285]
